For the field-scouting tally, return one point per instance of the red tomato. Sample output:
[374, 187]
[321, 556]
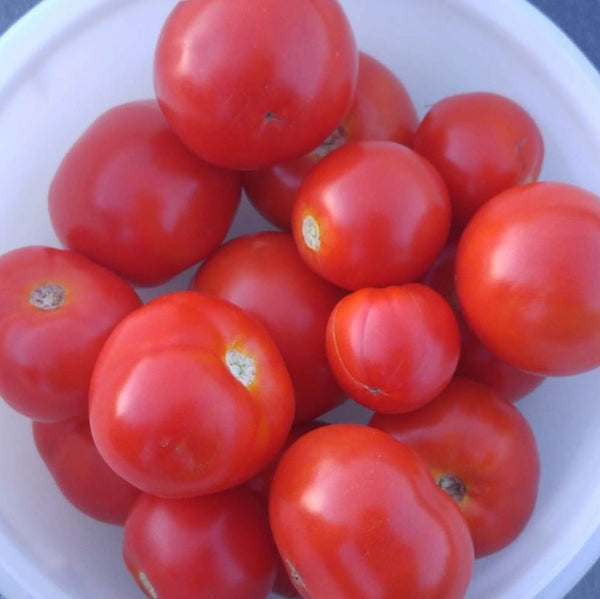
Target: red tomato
[190, 396]
[83, 477]
[132, 197]
[482, 452]
[476, 361]
[212, 547]
[247, 84]
[264, 275]
[527, 277]
[371, 214]
[56, 310]
[356, 514]
[393, 349]
[382, 110]
[482, 144]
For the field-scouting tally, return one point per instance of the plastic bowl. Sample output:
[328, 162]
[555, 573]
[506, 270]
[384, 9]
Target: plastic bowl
[66, 62]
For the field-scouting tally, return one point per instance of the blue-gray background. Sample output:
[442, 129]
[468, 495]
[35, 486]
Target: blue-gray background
[580, 19]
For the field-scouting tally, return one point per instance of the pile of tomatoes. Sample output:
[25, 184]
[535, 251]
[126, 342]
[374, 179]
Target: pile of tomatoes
[419, 269]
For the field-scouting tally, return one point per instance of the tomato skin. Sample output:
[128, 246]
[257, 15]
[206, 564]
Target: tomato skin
[476, 361]
[347, 500]
[212, 547]
[280, 78]
[132, 197]
[473, 433]
[382, 110]
[264, 274]
[153, 412]
[83, 477]
[481, 143]
[47, 355]
[526, 278]
[371, 214]
[393, 349]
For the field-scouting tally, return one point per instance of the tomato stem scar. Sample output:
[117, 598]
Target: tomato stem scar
[242, 367]
[311, 233]
[453, 485]
[294, 574]
[48, 297]
[146, 585]
[333, 142]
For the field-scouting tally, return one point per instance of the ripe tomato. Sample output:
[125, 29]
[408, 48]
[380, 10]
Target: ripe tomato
[83, 477]
[527, 277]
[482, 452]
[393, 349]
[264, 274]
[248, 84]
[382, 110]
[56, 310]
[482, 144]
[190, 396]
[371, 214]
[213, 547]
[356, 514]
[476, 361]
[132, 197]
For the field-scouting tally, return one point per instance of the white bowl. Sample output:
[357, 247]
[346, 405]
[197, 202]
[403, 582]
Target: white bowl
[66, 62]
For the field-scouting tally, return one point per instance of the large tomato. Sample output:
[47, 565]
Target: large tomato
[132, 197]
[264, 274]
[482, 452]
[476, 361]
[213, 547]
[527, 277]
[393, 349]
[190, 396]
[371, 214]
[56, 310]
[481, 143]
[356, 514]
[382, 110]
[83, 477]
[247, 84]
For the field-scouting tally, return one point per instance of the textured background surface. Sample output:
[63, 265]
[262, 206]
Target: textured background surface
[580, 19]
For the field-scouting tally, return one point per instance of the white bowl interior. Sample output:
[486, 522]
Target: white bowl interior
[67, 62]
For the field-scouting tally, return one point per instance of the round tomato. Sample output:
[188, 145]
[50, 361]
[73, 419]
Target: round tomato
[356, 514]
[371, 214]
[56, 310]
[393, 349]
[248, 84]
[481, 143]
[213, 547]
[482, 452]
[382, 110]
[264, 274]
[83, 477]
[190, 396]
[476, 361]
[132, 197]
[527, 277]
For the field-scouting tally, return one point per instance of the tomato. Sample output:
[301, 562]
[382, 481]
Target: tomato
[212, 547]
[382, 110]
[189, 396]
[482, 452]
[56, 310]
[83, 477]
[264, 274]
[356, 514]
[481, 143]
[248, 84]
[132, 197]
[371, 214]
[476, 361]
[527, 277]
[393, 349]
